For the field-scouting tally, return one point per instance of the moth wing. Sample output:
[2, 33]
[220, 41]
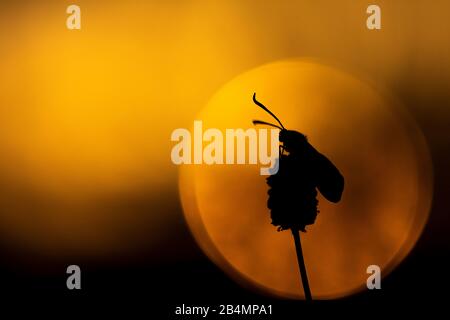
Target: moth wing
[330, 181]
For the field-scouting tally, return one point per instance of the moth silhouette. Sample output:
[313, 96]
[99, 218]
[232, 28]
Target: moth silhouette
[302, 171]
[293, 189]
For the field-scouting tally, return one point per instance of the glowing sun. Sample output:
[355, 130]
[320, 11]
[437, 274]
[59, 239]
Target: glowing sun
[365, 133]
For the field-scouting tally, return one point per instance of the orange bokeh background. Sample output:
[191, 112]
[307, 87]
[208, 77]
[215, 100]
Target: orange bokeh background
[86, 116]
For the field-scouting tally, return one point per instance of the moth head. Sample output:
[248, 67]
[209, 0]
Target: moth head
[293, 141]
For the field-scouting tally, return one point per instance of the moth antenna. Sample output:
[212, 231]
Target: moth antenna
[255, 122]
[266, 109]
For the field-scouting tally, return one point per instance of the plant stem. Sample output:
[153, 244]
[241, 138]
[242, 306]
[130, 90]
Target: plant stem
[301, 264]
